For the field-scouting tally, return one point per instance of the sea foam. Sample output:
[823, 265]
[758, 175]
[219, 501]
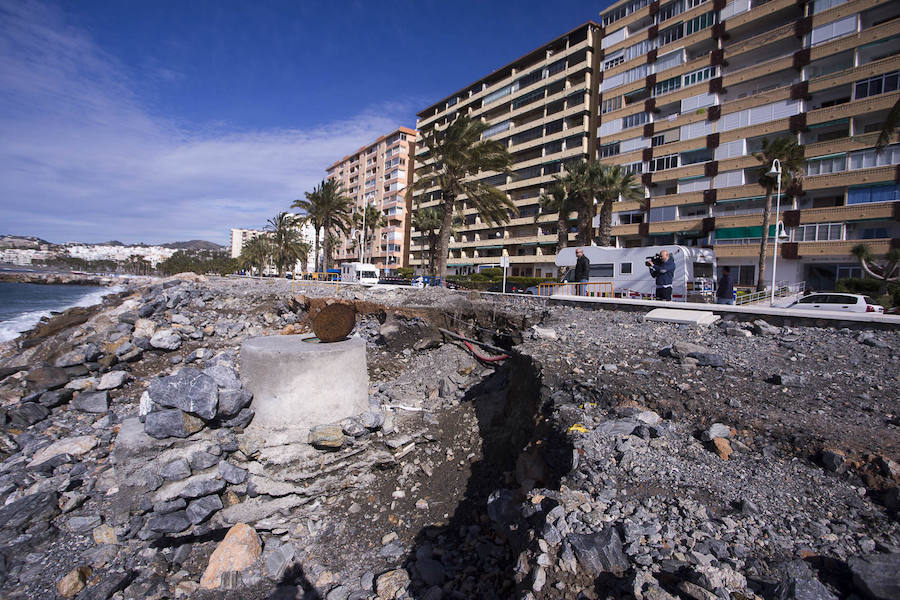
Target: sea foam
[12, 328]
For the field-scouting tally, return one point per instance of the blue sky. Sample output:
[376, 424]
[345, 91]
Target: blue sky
[162, 121]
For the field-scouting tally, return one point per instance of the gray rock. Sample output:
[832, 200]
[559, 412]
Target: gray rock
[203, 508]
[54, 398]
[203, 460]
[91, 402]
[372, 419]
[26, 414]
[241, 420]
[278, 557]
[19, 515]
[70, 359]
[833, 461]
[352, 427]
[172, 422]
[82, 524]
[708, 359]
[600, 552]
[617, 427]
[129, 316]
[875, 575]
[176, 470]
[170, 523]
[232, 474]
[326, 436]
[232, 401]
[113, 380]
[46, 378]
[224, 376]
[430, 571]
[188, 390]
[202, 487]
[685, 349]
[802, 588]
[789, 380]
[166, 339]
[169, 506]
[716, 430]
[763, 328]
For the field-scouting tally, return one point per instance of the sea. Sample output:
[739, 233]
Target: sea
[22, 305]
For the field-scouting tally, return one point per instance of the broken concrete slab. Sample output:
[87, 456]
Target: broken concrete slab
[682, 317]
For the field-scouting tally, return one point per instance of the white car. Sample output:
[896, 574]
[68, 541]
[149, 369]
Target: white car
[837, 301]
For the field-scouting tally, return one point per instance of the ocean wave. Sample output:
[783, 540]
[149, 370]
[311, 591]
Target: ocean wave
[13, 328]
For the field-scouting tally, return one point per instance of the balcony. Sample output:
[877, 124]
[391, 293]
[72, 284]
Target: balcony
[684, 225]
[843, 179]
[849, 42]
[631, 229]
[853, 212]
[758, 12]
[841, 248]
[853, 108]
[758, 41]
[854, 74]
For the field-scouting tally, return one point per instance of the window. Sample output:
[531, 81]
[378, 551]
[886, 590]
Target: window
[496, 95]
[874, 233]
[696, 156]
[663, 213]
[826, 164]
[612, 104]
[670, 60]
[818, 232]
[866, 159]
[823, 5]
[634, 120]
[614, 15]
[635, 73]
[658, 140]
[873, 193]
[876, 85]
[667, 36]
[602, 270]
[639, 49]
[669, 10]
[628, 218]
[692, 3]
[667, 85]
[664, 162]
[528, 98]
[625, 268]
[616, 59]
[698, 23]
[835, 29]
[556, 67]
[608, 150]
[636, 167]
[699, 75]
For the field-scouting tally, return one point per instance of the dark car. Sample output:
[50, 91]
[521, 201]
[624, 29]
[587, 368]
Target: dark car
[394, 281]
[511, 288]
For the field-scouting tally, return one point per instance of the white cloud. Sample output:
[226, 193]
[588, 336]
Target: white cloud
[81, 158]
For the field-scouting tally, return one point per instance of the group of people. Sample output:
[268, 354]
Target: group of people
[662, 269]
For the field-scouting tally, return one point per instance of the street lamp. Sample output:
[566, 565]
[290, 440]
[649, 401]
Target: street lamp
[776, 170]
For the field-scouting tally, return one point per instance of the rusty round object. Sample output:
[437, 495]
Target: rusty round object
[334, 322]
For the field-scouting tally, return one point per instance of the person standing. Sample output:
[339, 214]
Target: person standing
[725, 291]
[663, 271]
[582, 271]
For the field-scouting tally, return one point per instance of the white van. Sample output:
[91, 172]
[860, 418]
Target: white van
[357, 272]
[695, 270]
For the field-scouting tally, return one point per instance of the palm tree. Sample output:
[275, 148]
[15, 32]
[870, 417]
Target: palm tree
[790, 156]
[459, 154]
[373, 220]
[312, 214]
[888, 128]
[581, 182]
[288, 246]
[256, 252]
[614, 182]
[885, 270]
[428, 221]
[559, 202]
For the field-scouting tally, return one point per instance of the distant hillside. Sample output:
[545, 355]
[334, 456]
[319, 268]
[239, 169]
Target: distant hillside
[22, 241]
[194, 245]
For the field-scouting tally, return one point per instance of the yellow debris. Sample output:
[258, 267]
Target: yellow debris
[578, 428]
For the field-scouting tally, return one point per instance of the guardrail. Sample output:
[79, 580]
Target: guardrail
[782, 289]
[302, 279]
[595, 289]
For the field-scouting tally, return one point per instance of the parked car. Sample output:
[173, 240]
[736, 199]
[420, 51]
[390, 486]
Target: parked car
[511, 288]
[836, 301]
[394, 281]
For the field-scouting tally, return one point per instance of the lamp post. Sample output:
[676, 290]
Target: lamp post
[775, 170]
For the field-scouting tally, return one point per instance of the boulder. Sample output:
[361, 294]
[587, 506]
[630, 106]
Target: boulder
[203, 508]
[708, 359]
[54, 398]
[46, 378]
[91, 402]
[70, 359]
[75, 446]
[170, 523]
[73, 582]
[26, 414]
[600, 552]
[176, 470]
[789, 380]
[200, 486]
[172, 422]
[875, 575]
[232, 401]
[188, 390]
[224, 376]
[232, 474]
[326, 436]
[277, 557]
[166, 339]
[113, 380]
[392, 583]
[237, 552]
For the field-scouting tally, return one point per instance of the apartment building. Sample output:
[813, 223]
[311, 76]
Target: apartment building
[691, 88]
[239, 237]
[378, 175]
[543, 107]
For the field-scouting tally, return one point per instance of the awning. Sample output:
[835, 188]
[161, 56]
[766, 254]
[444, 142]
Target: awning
[546, 243]
[527, 244]
[460, 265]
[487, 247]
[731, 200]
[692, 178]
[837, 155]
[828, 123]
[737, 233]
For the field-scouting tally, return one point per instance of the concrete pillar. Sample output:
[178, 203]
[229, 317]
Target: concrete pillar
[298, 383]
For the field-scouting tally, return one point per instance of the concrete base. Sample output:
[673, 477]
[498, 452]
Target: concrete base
[298, 384]
[687, 317]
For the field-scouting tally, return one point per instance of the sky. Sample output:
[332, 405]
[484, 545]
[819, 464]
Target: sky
[167, 120]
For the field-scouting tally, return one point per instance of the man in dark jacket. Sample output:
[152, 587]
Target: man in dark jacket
[582, 270]
[664, 272]
[725, 292]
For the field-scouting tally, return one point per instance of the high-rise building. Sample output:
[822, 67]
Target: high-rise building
[378, 175]
[683, 93]
[540, 106]
[691, 88]
[239, 237]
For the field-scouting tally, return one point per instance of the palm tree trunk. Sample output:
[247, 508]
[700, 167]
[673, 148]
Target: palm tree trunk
[764, 241]
[444, 236]
[562, 236]
[326, 256]
[316, 257]
[605, 232]
[585, 221]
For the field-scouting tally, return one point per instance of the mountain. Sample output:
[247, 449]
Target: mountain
[22, 241]
[193, 245]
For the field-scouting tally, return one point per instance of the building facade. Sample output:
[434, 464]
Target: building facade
[691, 88]
[379, 174]
[683, 93]
[543, 107]
[239, 237]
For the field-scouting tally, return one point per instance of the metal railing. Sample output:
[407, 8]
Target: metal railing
[302, 279]
[783, 289]
[593, 289]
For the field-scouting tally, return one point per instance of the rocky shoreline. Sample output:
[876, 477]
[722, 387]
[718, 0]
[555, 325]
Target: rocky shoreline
[63, 278]
[605, 458]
